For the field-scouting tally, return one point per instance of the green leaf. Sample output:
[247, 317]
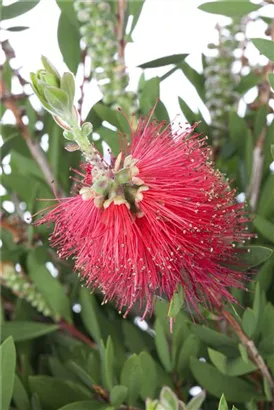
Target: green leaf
[17, 28]
[54, 393]
[81, 374]
[35, 402]
[267, 321]
[17, 8]
[258, 303]
[176, 302]
[118, 395]
[229, 8]
[50, 287]
[189, 348]
[109, 364]
[243, 353]
[230, 366]
[237, 130]
[191, 117]
[222, 403]
[114, 117]
[196, 402]
[256, 255]
[150, 94]
[248, 154]
[264, 227]
[168, 399]
[162, 346]
[267, 390]
[161, 113]
[163, 61]
[21, 330]
[195, 78]
[249, 322]
[8, 363]
[133, 337]
[149, 379]
[135, 9]
[20, 395]
[234, 388]
[89, 314]
[57, 99]
[69, 36]
[272, 151]
[49, 67]
[68, 11]
[271, 79]
[131, 377]
[265, 205]
[248, 81]
[265, 275]
[25, 166]
[93, 366]
[212, 337]
[68, 85]
[266, 47]
[84, 405]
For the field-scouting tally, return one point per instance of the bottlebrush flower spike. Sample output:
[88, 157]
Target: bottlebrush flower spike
[158, 217]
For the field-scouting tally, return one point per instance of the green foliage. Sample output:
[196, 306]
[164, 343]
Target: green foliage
[17, 8]
[69, 35]
[266, 47]
[235, 389]
[229, 8]
[160, 62]
[8, 362]
[131, 377]
[62, 347]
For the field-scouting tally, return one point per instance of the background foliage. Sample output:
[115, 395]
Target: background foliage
[61, 349]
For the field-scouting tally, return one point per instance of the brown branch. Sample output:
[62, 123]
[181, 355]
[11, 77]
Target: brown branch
[252, 351]
[73, 331]
[34, 147]
[121, 9]
[258, 152]
[253, 190]
[85, 78]
[16, 97]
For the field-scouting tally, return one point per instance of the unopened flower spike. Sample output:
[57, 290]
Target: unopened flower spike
[56, 93]
[159, 221]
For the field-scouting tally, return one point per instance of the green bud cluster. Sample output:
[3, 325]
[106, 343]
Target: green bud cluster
[119, 186]
[21, 286]
[169, 401]
[98, 32]
[56, 94]
[220, 80]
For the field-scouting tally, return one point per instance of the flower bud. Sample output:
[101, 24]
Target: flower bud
[55, 93]
[87, 129]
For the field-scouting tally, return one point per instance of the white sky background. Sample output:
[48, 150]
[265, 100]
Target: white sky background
[165, 27]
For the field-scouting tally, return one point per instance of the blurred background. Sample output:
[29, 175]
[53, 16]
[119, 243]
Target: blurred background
[202, 62]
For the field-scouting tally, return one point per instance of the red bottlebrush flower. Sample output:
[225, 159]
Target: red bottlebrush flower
[158, 217]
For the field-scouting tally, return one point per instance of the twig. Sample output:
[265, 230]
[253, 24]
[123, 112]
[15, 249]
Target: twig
[258, 154]
[252, 351]
[257, 172]
[33, 145]
[73, 331]
[85, 78]
[121, 9]
[16, 97]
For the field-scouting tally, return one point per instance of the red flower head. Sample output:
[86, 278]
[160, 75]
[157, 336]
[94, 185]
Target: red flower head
[159, 216]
